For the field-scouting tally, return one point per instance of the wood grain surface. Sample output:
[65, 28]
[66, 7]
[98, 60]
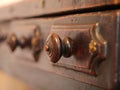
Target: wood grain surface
[31, 8]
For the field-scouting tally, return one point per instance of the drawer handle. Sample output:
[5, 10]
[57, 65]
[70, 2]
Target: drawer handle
[37, 43]
[33, 42]
[56, 47]
[97, 45]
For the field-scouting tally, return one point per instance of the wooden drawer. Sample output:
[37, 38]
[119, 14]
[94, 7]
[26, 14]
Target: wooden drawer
[33, 8]
[39, 74]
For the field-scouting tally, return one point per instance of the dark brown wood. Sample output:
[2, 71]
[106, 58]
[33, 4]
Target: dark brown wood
[21, 63]
[30, 8]
[76, 40]
[103, 19]
[41, 7]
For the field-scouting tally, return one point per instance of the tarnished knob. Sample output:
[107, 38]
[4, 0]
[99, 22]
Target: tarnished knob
[36, 47]
[55, 47]
[13, 42]
[36, 43]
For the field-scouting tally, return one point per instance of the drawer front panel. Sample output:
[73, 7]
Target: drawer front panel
[20, 63]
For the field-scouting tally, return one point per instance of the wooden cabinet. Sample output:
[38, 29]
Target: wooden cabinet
[69, 19]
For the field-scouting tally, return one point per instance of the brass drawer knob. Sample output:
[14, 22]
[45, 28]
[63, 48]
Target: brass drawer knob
[13, 42]
[33, 42]
[36, 43]
[55, 47]
[83, 45]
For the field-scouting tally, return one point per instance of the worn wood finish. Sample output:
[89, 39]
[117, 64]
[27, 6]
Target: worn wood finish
[30, 8]
[21, 63]
[41, 7]
[106, 70]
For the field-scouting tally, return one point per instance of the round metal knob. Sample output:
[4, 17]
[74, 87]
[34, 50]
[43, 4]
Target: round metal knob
[36, 43]
[13, 42]
[55, 47]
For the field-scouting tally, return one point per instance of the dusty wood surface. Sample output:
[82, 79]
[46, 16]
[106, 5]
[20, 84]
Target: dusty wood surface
[30, 8]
